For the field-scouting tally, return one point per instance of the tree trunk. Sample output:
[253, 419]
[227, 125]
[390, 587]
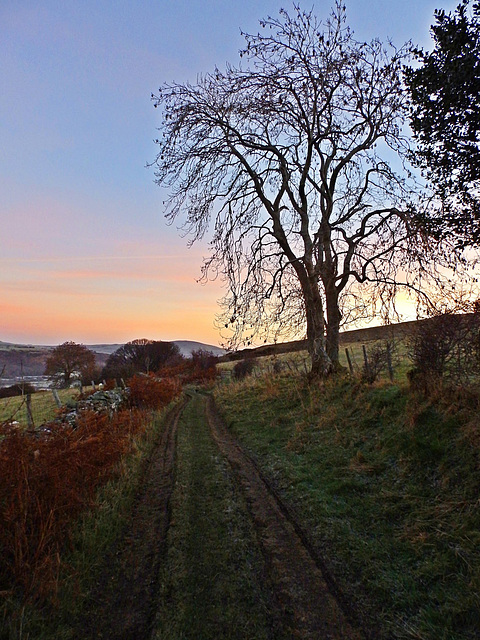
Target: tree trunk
[334, 317]
[321, 362]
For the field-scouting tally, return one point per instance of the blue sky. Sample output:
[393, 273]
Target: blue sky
[85, 253]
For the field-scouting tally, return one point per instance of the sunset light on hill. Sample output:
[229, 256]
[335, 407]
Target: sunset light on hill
[85, 251]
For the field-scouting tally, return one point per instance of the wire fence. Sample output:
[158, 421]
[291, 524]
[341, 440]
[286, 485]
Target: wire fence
[33, 410]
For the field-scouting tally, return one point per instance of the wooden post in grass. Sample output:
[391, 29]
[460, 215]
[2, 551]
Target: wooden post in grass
[365, 360]
[30, 422]
[350, 365]
[56, 397]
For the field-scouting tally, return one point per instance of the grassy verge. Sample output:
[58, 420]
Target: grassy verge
[82, 557]
[387, 485]
[210, 580]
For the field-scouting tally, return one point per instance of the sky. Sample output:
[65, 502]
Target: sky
[85, 252]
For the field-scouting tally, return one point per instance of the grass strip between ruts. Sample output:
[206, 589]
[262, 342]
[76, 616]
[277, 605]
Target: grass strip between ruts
[211, 582]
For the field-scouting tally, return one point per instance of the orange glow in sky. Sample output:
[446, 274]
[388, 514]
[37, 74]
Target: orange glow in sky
[112, 300]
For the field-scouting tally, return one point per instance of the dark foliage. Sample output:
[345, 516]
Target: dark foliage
[141, 356]
[16, 390]
[445, 117]
[243, 369]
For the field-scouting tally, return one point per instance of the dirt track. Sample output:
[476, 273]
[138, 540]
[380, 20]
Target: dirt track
[123, 604]
[309, 609]
[126, 597]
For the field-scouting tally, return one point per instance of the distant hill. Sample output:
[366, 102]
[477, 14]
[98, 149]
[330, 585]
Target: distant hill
[22, 360]
[186, 347]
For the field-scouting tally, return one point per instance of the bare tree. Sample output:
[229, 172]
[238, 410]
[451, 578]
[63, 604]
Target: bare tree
[291, 157]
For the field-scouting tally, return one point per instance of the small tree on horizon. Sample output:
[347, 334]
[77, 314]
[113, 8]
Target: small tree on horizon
[68, 359]
[141, 356]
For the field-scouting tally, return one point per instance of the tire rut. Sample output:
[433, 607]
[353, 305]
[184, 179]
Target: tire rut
[309, 609]
[123, 603]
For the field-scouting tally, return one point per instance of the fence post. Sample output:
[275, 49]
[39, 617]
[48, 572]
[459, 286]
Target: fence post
[350, 365]
[56, 397]
[365, 360]
[389, 361]
[30, 422]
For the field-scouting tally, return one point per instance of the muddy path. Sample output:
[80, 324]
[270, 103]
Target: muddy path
[308, 607]
[205, 520]
[123, 602]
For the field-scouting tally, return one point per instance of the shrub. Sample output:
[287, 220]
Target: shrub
[376, 361]
[243, 368]
[445, 347]
[150, 392]
[201, 367]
